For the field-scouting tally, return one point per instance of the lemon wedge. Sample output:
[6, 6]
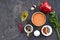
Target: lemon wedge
[24, 15]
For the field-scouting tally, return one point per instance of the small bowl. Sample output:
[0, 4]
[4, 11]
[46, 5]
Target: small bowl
[36, 33]
[38, 19]
[25, 29]
[47, 33]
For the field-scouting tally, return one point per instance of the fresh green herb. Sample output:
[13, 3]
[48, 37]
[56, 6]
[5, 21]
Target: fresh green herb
[54, 21]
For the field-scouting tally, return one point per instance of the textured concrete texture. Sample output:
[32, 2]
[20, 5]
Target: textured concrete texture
[10, 10]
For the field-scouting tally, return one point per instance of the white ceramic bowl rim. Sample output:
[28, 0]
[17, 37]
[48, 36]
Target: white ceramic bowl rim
[31, 28]
[49, 32]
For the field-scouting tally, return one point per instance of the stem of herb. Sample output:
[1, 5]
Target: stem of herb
[58, 33]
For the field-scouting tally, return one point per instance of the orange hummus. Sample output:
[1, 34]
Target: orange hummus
[38, 18]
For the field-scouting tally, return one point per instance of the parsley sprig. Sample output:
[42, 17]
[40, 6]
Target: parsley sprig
[54, 21]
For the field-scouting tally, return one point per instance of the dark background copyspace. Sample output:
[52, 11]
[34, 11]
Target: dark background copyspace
[10, 11]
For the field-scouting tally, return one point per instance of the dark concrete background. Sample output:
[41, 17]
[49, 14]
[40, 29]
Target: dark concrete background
[9, 12]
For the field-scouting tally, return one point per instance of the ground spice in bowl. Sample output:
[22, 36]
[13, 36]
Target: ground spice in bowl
[38, 19]
[44, 30]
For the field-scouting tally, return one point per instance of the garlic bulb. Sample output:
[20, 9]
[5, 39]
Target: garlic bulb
[33, 7]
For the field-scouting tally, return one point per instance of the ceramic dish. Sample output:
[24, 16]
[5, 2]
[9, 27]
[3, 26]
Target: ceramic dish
[46, 30]
[38, 19]
[28, 29]
[36, 33]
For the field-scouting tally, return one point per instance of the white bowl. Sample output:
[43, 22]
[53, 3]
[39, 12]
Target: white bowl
[36, 33]
[26, 30]
[48, 34]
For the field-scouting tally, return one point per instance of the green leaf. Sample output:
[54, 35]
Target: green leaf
[54, 21]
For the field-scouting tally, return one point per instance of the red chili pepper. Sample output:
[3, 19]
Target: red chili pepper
[45, 7]
[20, 27]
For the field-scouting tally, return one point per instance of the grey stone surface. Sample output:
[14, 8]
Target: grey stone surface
[10, 10]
